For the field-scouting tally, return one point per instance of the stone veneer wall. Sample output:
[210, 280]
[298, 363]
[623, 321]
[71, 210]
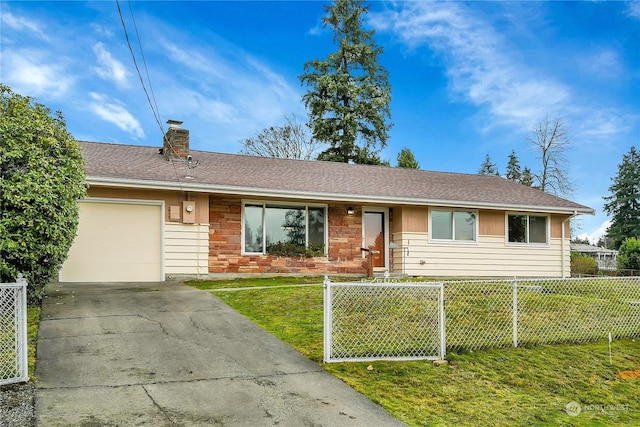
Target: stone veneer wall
[225, 233]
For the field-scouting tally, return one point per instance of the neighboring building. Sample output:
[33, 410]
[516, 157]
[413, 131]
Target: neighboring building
[607, 259]
[154, 213]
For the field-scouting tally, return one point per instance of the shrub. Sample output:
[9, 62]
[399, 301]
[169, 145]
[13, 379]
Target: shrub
[41, 181]
[583, 264]
[288, 249]
[629, 254]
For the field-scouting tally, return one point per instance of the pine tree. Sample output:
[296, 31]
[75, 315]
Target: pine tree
[349, 96]
[527, 177]
[488, 167]
[407, 160]
[513, 168]
[624, 202]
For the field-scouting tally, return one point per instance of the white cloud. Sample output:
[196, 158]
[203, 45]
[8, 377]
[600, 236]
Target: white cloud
[206, 108]
[317, 29]
[222, 85]
[22, 24]
[115, 112]
[194, 60]
[604, 64]
[633, 9]
[109, 67]
[594, 235]
[478, 63]
[30, 72]
[601, 124]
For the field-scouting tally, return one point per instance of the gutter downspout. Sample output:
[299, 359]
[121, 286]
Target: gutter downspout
[564, 249]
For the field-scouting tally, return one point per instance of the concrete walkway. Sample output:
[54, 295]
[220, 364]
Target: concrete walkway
[164, 354]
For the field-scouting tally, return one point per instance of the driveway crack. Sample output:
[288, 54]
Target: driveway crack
[165, 413]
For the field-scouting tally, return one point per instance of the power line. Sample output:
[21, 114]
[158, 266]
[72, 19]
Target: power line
[156, 115]
[156, 111]
[135, 63]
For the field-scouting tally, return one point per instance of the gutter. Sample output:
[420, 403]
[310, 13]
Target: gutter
[332, 197]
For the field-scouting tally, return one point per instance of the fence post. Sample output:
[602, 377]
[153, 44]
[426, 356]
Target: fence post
[327, 319]
[515, 312]
[24, 360]
[443, 333]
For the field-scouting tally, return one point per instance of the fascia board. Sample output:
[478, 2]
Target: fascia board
[334, 197]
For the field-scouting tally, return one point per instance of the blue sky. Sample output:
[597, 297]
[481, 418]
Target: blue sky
[468, 79]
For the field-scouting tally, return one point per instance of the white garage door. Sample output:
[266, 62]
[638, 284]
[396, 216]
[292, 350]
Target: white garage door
[116, 242]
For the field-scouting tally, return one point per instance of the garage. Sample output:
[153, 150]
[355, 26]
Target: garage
[117, 241]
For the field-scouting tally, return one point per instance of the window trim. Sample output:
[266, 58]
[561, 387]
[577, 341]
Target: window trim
[453, 241]
[264, 204]
[527, 234]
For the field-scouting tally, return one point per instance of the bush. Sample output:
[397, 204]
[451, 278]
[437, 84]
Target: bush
[583, 264]
[288, 249]
[629, 254]
[41, 181]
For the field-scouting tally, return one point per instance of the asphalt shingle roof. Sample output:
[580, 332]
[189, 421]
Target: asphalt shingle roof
[145, 167]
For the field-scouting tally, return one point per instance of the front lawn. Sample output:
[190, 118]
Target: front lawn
[511, 386]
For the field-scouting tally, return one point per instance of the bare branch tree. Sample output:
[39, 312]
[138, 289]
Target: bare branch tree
[551, 140]
[290, 141]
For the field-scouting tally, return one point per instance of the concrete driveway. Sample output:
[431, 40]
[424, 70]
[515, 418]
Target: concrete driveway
[165, 354]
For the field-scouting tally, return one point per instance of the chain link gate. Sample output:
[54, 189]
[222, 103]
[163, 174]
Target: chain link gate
[383, 321]
[13, 332]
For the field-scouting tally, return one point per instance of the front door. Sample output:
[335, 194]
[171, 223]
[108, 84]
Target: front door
[374, 235]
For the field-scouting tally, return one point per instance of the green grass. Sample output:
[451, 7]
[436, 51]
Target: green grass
[255, 282]
[7, 339]
[33, 322]
[510, 386]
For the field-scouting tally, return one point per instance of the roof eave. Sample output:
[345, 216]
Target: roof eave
[333, 197]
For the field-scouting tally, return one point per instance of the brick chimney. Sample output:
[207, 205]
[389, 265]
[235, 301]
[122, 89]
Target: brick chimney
[175, 144]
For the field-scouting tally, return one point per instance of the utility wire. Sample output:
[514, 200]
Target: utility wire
[155, 113]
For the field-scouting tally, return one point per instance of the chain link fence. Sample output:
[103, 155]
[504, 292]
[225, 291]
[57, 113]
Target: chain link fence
[383, 321]
[500, 313]
[13, 332]
[401, 321]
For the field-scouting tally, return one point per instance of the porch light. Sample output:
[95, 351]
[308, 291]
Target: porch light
[350, 211]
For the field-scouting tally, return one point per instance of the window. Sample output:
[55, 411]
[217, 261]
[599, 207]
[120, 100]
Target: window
[269, 224]
[527, 229]
[453, 225]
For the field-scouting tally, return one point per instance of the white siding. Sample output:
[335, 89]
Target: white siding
[489, 257]
[186, 248]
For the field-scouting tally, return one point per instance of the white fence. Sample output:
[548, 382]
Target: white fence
[367, 321]
[13, 332]
[383, 321]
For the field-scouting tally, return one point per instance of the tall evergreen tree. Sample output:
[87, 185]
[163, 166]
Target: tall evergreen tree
[407, 160]
[488, 167]
[624, 202]
[349, 95]
[527, 177]
[513, 168]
